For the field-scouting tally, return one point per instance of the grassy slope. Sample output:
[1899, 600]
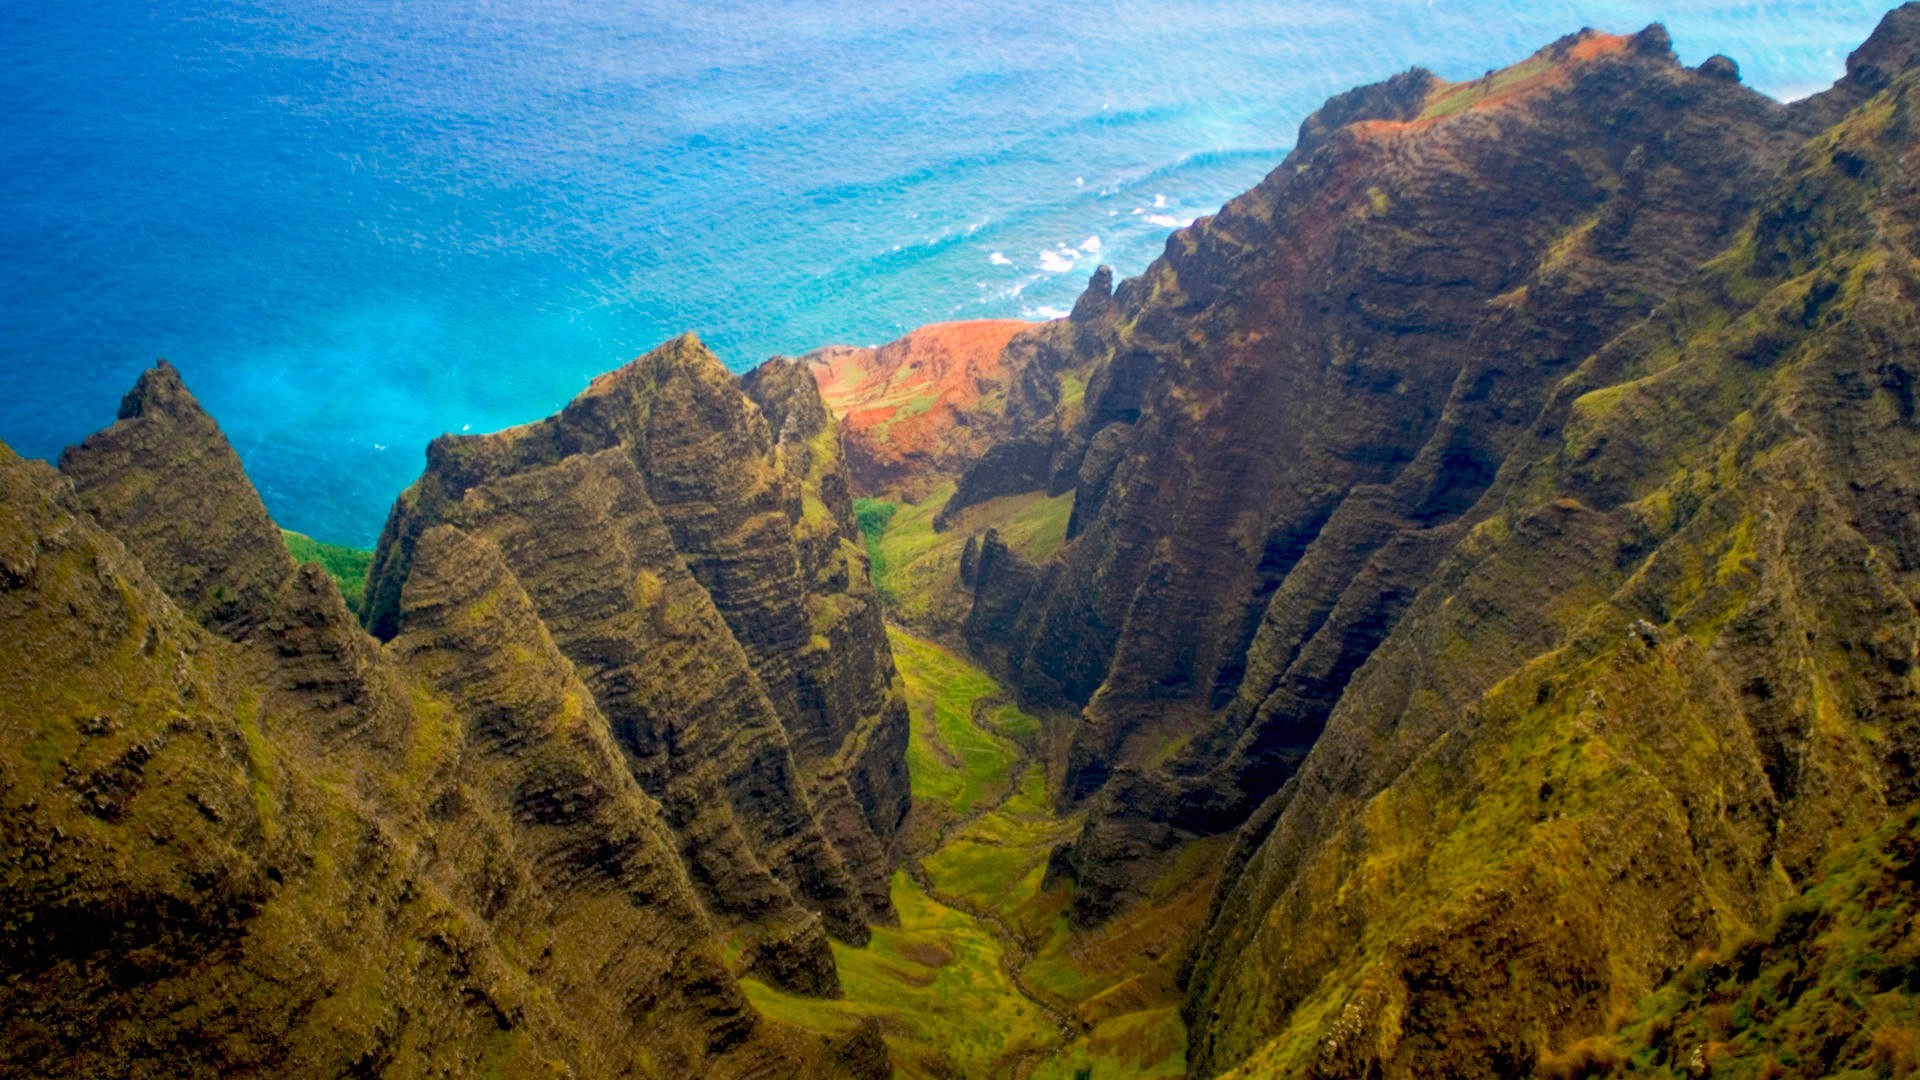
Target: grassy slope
[939, 982]
[936, 983]
[1830, 987]
[346, 566]
[918, 570]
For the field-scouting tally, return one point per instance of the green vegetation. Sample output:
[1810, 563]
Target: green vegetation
[346, 566]
[917, 570]
[953, 762]
[872, 516]
[996, 862]
[1462, 96]
[984, 976]
[938, 984]
[1831, 987]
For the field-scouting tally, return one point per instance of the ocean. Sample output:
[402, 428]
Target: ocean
[354, 225]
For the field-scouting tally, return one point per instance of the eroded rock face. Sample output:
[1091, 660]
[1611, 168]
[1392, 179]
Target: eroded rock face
[1670, 668]
[283, 848]
[683, 557]
[1297, 411]
[1468, 516]
[166, 481]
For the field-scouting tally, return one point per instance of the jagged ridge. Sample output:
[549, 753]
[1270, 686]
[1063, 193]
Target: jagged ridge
[286, 847]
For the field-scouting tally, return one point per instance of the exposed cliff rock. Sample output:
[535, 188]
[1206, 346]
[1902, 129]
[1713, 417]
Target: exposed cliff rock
[684, 559]
[1661, 681]
[1294, 413]
[301, 853]
[166, 481]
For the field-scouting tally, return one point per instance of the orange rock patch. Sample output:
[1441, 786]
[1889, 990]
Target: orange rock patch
[900, 403]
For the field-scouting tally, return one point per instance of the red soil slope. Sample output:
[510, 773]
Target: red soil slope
[910, 409]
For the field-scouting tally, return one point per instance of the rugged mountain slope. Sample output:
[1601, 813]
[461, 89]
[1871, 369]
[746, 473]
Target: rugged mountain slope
[1501, 527]
[681, 555]
[1295, 411]
[216, 550]
[1591, 564]
[1672, 667]
[286, 848]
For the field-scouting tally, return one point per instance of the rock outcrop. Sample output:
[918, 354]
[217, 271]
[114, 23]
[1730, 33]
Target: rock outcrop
[684, 558]
[166, 481]
[241, 835]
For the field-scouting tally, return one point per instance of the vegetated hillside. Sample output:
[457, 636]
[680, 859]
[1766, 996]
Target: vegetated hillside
[237, 834]
[1669, 672]
[1501, 519]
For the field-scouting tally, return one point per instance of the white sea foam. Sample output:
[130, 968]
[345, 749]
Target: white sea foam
[1053, 262]
[999, 259]
[1044, 311]
[1159, 202]
[1092, 245]
[1165, 221]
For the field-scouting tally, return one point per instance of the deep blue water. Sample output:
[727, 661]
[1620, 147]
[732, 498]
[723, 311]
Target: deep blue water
[354, 225]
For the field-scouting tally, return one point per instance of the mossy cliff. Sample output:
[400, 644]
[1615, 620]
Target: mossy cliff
[242, 835]
[1666, 677]
[1457, 613]
[682, 555]
[1501, 522]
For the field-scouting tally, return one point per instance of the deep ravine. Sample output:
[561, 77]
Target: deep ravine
[984, 976]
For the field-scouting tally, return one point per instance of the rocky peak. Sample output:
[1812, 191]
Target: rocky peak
[159, 391]
[1654, 41]
[1894, 47]
[789, 397]
[164, 479]
[1401, 97]
[1096, 297]
[690, 567]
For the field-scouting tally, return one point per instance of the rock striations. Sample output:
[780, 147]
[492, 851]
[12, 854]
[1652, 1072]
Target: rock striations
[633, 715]
[684, 560]
[1499, 530]
[1502, 517]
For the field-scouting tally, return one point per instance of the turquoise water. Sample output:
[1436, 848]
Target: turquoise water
[355, 225]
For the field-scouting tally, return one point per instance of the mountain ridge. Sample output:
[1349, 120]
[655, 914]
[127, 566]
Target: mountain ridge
[1283, 493]
[1458, 612]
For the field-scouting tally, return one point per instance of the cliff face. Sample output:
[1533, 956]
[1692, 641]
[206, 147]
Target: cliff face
[1293, 414]
[242, 835]
[218, 553]
[1678, 672]
[682, 556]
[1500, 518]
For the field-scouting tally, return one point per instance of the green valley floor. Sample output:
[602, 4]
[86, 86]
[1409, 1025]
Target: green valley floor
[984, 976]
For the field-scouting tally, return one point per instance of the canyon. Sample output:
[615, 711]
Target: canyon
[1453, 614]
